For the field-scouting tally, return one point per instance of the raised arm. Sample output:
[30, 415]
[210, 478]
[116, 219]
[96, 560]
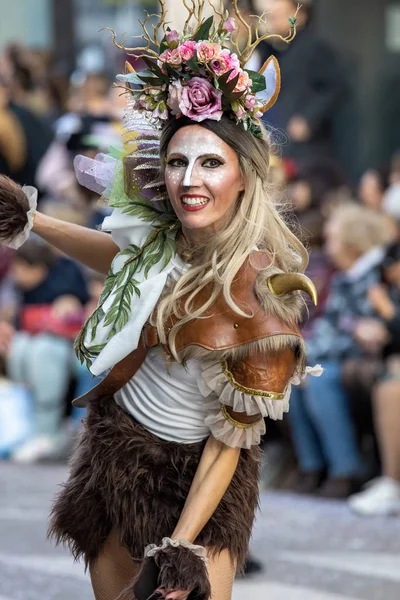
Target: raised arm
[18, 214]
[94, 249]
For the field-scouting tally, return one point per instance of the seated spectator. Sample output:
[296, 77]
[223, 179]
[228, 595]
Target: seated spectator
[372, 187]
[39, 354]
[382, 495]
[322, 429]
[62, 451]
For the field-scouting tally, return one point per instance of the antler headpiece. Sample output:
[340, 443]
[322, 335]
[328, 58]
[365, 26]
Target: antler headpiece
[195, 74]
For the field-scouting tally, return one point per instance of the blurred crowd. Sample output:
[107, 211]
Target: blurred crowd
[342, 429]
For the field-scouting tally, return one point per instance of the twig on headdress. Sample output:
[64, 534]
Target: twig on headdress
[191, 12]
[246, 53]
[147, 35]
[160, 24]
[138, 51]
[200, 9]
[260, 21]
[245, 24]
[221, 13]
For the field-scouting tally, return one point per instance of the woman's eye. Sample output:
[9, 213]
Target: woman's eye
[177, 162]
[212, 163]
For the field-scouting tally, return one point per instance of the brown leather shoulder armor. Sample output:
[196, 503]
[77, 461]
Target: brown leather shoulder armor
[223, 328]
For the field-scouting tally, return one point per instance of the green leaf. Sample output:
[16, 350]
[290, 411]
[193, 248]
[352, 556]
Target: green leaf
[154, 81]
[204, 30]
[171, 72]
[257, 81]
[153, 66]
[292, 21]
[163, 44]
[193, 64]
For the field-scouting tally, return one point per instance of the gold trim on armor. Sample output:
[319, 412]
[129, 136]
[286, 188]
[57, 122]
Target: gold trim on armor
[233, 421]
[249, 391]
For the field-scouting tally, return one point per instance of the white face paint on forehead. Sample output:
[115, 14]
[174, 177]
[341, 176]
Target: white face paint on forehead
[194, 146]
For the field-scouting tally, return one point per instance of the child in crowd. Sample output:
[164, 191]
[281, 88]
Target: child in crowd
[39, 353]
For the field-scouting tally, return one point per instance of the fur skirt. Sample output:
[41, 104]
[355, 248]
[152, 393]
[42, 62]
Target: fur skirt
[125, 478]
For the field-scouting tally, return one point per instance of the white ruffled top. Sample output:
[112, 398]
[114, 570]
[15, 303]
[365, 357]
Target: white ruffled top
[185, 403]
[215, 382]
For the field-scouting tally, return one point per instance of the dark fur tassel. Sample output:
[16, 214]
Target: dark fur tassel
[178, 569]
[181, 569]
[14, 207]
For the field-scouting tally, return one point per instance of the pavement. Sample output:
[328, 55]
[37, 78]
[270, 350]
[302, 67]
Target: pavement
[311, 549]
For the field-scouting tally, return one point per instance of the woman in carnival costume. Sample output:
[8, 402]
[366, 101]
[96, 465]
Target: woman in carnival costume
[196, 325]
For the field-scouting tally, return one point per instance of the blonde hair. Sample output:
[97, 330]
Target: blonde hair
[255, 223]
[361, 228]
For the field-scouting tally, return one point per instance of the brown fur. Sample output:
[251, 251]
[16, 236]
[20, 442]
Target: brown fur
[125, 478]
[14, 207]
[180, 569]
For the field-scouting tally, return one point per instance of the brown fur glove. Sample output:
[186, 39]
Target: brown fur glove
[173, 569]
[14, 207]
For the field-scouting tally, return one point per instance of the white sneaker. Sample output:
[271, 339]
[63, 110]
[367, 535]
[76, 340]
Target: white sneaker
[34, 449]
[380, 497]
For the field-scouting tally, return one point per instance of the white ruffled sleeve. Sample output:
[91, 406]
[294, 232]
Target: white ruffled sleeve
[221, 390]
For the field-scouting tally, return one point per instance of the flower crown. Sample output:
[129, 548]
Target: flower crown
[194, 74]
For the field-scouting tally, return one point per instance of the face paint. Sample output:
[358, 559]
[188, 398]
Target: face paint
[203, 178]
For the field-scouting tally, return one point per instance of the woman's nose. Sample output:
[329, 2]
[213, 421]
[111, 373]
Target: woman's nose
[191, 177]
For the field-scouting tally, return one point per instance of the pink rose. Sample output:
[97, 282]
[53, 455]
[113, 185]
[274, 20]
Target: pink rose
[250, 102]
[219, 65]
[206, 51]
[172, 38]
[229, 25]
[174, 97]
[243, 82]
[231, 60]
[172, 57]
[200, 100]
[187, 50]
[239, 110]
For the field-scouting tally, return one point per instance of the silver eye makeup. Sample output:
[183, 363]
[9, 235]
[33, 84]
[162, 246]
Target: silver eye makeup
[210, 162]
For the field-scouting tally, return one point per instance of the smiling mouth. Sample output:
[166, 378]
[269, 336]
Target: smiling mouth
[194, 202]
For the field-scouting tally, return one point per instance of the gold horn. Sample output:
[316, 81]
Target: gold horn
[282, 283]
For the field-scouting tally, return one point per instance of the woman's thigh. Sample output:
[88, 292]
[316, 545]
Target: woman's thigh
[113, 571]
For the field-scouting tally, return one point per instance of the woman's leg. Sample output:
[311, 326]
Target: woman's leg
[113, 570]
[386, 399]
[221, 571]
